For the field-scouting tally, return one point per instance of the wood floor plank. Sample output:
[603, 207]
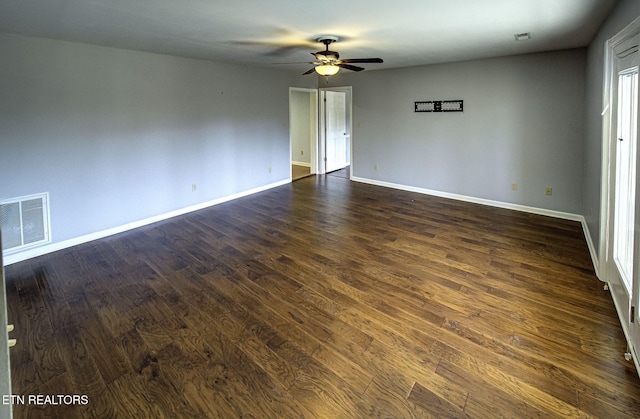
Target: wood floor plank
[536, 396]
[433, 403]
[383, 400]
[484, 399]
[324, 298]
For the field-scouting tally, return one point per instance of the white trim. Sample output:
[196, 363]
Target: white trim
[54, 247]
[592, 248]
[301, 163]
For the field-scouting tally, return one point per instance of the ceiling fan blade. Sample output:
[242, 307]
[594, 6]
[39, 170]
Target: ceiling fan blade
[309, 71]
[296, 62]
[350, 67]
[363, 60]
[275, 49]
[284, 50]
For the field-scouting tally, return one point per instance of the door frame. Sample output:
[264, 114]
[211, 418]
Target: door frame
[605, 268]
[322, 138]
[313, 133]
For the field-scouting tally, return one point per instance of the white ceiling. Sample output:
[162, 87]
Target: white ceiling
[263, 32]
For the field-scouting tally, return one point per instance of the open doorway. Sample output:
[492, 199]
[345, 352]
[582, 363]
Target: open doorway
[303, 132]
[335, 129]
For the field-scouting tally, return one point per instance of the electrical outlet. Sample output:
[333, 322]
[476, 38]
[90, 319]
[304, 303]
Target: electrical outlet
[194, 186]
[514, 186]
[548, 190]
[302, 152]
[375, 167]
[269, 170]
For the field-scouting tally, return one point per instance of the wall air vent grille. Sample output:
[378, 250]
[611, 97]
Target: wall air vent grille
[24, 222]
[439, 106]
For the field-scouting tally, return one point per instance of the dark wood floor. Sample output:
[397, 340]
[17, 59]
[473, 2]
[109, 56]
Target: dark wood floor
[343, 173]
[324, 298]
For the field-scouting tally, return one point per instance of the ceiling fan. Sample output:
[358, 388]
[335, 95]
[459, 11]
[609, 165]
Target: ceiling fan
[329, 62]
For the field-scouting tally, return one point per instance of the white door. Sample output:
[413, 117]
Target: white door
[624, 214]
[335, 130]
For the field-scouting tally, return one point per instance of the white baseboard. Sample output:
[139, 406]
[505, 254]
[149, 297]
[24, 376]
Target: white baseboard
[482, 201]
[592, 249]
[54, 247]
[624, 324]
[301, 163]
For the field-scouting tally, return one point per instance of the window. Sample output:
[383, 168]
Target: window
[626, 173]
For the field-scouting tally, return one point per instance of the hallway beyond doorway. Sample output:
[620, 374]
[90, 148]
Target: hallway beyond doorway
[299, 172]
[345, 173]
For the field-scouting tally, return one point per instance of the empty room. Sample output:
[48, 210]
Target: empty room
[328, 209]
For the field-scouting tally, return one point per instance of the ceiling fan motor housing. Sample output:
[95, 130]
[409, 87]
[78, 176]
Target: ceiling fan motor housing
[326, 54]
[329, 62]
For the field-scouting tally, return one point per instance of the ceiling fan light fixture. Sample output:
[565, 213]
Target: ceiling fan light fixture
[327, 69]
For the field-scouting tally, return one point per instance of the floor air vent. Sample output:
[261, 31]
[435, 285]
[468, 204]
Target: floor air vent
[25, 222]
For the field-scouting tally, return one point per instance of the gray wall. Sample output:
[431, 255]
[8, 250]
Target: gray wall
[118, 136]
[301, 127]
[625, 12]
[522, 122]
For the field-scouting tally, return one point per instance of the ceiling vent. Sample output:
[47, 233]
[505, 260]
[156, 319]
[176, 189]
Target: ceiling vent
[522, 36]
